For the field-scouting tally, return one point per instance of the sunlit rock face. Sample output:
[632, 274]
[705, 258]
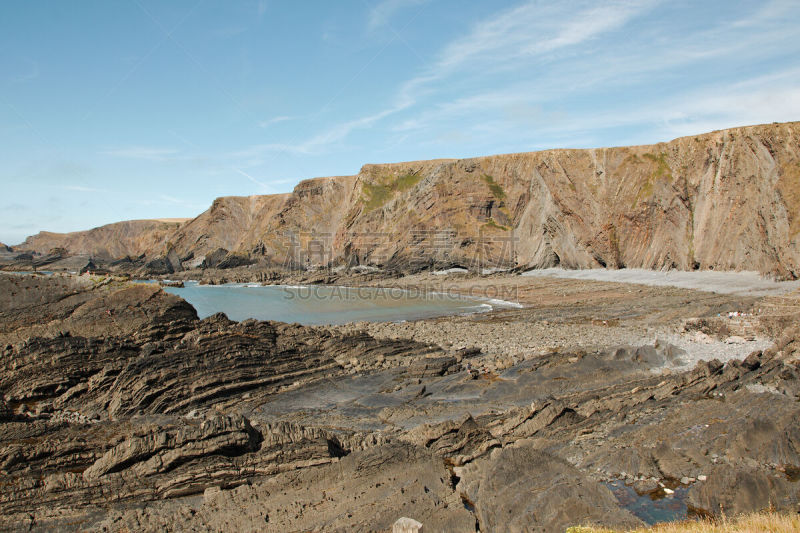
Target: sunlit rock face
[726, 200]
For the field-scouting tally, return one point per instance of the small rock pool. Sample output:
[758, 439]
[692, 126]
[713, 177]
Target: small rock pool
[652, 508]
[317, 305]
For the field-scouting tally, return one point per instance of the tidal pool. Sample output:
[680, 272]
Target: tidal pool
[652, 508]
[316, 305]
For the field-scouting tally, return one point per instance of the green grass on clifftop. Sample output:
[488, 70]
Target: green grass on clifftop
[380, 191]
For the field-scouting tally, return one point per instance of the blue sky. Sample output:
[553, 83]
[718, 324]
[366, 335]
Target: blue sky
[121, 109]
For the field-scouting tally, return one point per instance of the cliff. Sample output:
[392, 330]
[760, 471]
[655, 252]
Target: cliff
[131, 237]
[726, 200]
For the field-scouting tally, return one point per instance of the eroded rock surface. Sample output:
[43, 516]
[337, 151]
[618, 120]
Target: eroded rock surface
[146, 418]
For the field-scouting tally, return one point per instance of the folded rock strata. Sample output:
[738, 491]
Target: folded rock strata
[126, 429]
[725, 200]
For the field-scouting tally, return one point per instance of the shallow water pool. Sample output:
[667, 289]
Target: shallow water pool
[316, 305]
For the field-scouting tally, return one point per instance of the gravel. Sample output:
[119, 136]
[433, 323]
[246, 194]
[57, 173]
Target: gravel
[738, 283]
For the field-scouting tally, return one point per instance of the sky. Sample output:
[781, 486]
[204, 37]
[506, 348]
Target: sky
[126, 109]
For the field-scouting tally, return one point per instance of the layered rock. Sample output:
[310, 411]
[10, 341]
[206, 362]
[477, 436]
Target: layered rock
[557, 495]
[725, 200]
[119, 408]
[126, 396]
[364, 491]
[722, 200]
[120, 239]
[70, 306]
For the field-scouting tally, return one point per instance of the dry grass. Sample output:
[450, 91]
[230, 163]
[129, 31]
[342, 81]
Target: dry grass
[751, 523]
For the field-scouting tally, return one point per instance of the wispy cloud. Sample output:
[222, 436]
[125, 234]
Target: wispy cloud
[81, 188]
[771, 98]
[768, 98]
[165, 198]
[382, 12]
[29, 74]
[340, 131]
[532, 29]
[261, 184]
[261, 7]
[142, 152]
[562, 54]
[16, 207]
[498, 110]
[521, 38]
[274, 120]
[316, 144]
[229, 31]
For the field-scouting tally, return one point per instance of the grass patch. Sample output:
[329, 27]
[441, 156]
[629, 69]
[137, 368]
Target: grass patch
[406, 181]
[494, 225]
[662, 167]
[767, 521]
[384, 188]
[662, 171]
[377, 195]
[494, 187]
[645, 191]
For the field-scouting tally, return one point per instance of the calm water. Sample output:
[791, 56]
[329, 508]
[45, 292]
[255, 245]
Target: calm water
[652, 508]
[323, 305]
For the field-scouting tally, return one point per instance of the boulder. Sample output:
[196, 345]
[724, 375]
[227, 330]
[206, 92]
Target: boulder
[675, 356]
[235, 260]
[649, 356]
[431, 366]
[158, 266]
[526, 489]
[174, 260]
[6, 413]
[752, 361]
[90, 266]
[126, 263]
[731, 490]
[623, 353]
[213, 259]
[406, 525]
[460, 441]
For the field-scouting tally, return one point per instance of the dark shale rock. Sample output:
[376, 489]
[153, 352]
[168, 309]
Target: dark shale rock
[431, 366]
[119, 409]
[734, 490]
[556, 494]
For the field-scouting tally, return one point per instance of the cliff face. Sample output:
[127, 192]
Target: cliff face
[226, 224]
[132, 237]
[274, 227]
[723, 200]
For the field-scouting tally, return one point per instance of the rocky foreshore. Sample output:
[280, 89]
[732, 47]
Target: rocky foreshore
[122, 411]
